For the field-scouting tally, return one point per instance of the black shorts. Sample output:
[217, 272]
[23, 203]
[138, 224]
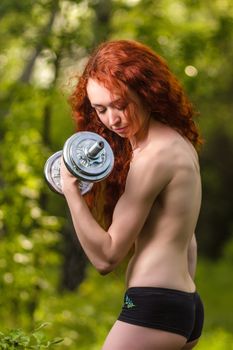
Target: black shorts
[165, 309]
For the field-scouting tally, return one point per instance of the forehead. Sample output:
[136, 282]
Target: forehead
[99, 94]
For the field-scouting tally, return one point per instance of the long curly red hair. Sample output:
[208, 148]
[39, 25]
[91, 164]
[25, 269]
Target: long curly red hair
[125, 65]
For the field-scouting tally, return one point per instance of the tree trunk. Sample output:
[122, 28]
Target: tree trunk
[28, 69]
[75, 261]
[102, 21]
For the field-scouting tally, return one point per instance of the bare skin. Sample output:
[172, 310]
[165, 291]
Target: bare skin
[156, 214]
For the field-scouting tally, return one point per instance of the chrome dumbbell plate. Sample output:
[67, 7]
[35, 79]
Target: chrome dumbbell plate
[52, 175]
[52, 172]
[87, 155]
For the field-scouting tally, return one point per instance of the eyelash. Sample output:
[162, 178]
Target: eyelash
[101, 112]
[119, 107]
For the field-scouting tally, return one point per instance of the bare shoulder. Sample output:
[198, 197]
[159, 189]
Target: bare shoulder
[162, 149]
[167, 160]
[150, 169]
[165, 154]
[174, 149]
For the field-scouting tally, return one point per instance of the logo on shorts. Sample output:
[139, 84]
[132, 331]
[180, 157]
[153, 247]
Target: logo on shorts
[129, 303]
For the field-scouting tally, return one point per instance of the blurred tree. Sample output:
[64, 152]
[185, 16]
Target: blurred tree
[216, 221]
[26, 230]
[53, 35]
[40, 43]
[102, 20]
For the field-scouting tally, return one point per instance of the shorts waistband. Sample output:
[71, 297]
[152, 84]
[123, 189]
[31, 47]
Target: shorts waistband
[159, 290]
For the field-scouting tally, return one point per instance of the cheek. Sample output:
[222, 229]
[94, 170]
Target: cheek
[133, 121]
[131, 115]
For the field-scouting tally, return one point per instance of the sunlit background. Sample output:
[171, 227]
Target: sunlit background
[44, 44]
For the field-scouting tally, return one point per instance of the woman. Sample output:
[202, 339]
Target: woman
[128, 95]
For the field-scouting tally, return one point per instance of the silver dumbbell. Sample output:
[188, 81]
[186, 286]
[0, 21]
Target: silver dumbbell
[87, 155]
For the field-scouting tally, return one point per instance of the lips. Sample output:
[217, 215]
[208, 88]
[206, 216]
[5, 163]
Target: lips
[120, 129]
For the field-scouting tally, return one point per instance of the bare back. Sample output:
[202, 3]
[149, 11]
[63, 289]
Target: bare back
[161, 248]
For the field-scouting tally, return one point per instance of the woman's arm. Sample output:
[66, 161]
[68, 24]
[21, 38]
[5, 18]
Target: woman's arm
[106, 249]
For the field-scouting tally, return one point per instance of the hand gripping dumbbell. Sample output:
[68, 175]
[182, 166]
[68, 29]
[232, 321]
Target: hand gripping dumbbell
[87, 155]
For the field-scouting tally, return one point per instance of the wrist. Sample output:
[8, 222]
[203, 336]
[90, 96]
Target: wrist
[70, 186]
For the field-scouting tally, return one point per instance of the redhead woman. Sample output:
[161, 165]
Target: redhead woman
[152, 199]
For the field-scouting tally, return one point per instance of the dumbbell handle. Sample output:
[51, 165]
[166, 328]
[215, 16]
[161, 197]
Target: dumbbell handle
[94, 150]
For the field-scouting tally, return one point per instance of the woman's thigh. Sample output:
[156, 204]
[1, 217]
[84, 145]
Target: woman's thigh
[190, 345]
[124, 336]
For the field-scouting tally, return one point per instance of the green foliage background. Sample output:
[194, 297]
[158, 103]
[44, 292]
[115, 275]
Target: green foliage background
[43, 46]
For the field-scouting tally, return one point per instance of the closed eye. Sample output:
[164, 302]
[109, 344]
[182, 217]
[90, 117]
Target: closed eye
[100, 111]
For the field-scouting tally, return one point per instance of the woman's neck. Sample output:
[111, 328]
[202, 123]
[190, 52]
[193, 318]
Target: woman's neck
[140, 140]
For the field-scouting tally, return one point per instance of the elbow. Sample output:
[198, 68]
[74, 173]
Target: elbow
[106, 267]
[108, 261]
[105, 271]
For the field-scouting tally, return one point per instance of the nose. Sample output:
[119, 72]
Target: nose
[114, 117]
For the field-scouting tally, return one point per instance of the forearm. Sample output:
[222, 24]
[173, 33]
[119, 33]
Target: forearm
[95, 241]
